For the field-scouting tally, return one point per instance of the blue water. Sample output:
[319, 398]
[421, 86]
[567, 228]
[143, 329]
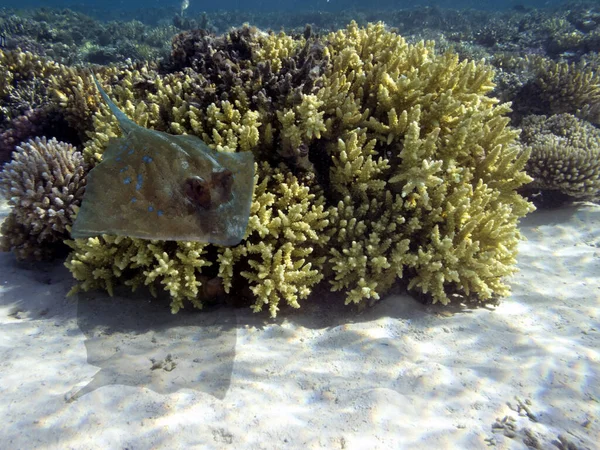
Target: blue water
[275, 5]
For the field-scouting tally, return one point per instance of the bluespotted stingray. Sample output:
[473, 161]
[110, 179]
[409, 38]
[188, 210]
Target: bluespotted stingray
[154, 185]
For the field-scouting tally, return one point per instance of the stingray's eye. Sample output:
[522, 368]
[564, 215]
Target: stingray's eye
[197, 190]
[303, 150]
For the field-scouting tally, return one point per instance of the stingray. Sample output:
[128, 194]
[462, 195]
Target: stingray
[154, 185]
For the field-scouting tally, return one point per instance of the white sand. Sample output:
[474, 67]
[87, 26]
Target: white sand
[94, 372]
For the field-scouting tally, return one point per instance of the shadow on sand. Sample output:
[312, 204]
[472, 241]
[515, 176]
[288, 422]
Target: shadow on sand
[138, 342]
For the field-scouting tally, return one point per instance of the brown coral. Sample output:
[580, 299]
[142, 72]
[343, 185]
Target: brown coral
[44, 184]
[558, 88]
[565, 158]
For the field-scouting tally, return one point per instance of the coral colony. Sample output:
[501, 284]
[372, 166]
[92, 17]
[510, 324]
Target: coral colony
[351, 158]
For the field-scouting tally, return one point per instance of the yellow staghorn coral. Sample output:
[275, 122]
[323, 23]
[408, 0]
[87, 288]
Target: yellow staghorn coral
[302, 123]
[448, 219]
[369, 252]
[471, 250]
[145, 113]
[368, 248]
[553, 87]
[17, 65]
[566, 88]
[171, 109]
[103, 262]
[75, 92]
[355, 171]
[274, 48]
[284, 238]
[232, 129]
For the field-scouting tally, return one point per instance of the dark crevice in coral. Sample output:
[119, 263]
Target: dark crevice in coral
[546, 199]
[321, 161]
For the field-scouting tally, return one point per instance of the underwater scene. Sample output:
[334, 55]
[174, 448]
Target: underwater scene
[327, 224]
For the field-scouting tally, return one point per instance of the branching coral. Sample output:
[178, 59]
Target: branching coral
[75, 93]
[103, 262]
[123, 89]
[282, 252]
[567, 88]
[44, 183]
[439, 207]
[17, 66]
[23, 86]
[559, 88]
[31, 123]
[565, 157]
[26, 109]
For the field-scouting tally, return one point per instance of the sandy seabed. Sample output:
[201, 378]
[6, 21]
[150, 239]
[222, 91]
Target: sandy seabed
[94, 372]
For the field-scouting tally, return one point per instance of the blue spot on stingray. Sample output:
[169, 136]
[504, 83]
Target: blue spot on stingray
[140, 179]
[127, 180]
[133, 199]
[118, 158]
[147, 159]
[150, 208]
[130, 152]
[124, 169]
[160, 212]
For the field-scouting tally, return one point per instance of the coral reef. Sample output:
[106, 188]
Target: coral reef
[437, 215]
[283, 250]
[569, 32]
[19, 129]
[22, 86]
[285, 227]
[565, 158]
[71, 37]
[379, 161]
[44, 184]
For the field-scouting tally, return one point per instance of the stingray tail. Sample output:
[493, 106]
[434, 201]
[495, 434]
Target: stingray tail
[125, 122]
